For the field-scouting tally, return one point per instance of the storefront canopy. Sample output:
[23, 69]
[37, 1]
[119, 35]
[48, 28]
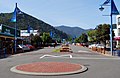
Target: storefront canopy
[117, 38]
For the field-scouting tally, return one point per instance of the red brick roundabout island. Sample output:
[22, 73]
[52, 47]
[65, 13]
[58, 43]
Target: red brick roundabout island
[49, 68]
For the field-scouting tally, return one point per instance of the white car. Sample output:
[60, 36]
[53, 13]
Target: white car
[96, 45]
[100, 46]
[23, 47]
[92, 45]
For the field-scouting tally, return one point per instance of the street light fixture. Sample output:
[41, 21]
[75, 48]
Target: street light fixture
[114, 11]
[101, 8]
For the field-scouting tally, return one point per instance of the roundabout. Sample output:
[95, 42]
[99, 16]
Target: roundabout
[49, 68]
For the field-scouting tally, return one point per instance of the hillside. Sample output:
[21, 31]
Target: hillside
[23, 20]
[73, 31]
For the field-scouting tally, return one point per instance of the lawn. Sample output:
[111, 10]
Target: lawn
[56, 50]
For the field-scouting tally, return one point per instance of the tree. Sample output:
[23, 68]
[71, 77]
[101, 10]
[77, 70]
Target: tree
[46, 38]
[77, 40]
[102, 33]
[92, 35]
[36, 40]
[82, 39]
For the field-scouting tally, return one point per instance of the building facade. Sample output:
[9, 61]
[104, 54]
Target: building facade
[25, 33]
[117, 30]
[7, 36]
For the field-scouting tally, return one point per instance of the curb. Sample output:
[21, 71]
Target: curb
[106, 54]
[83, 69]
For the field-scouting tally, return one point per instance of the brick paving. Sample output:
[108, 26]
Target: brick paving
[49, 67]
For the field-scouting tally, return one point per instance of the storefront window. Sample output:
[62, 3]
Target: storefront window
[119, 21]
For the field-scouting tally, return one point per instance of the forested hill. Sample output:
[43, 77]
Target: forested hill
[23, 20]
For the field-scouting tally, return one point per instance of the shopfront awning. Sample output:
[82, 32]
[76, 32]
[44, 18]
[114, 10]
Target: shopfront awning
[6, 36]
[117, 38]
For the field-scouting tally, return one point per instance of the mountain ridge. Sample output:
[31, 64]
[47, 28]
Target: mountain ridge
[73, 31]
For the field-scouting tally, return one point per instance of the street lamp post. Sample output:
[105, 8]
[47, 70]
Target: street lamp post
[14, 19]
[114, 11]
[15, 13]
[15, 37]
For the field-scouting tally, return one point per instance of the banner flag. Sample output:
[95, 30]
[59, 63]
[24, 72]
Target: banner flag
[114, 10]
[51, 34]
[29, 28]
[16, 11]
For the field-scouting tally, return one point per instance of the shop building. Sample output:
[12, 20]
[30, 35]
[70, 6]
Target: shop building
[7, 34]
[117, 31]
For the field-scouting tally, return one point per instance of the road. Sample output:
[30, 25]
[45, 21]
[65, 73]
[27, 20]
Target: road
[99, 66]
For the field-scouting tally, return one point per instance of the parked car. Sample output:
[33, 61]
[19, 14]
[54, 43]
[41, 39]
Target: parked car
[100, 46]
[92, 45]
[84, 44]
[73, 43]
[96, 45]
[30, 46]
[23, 47]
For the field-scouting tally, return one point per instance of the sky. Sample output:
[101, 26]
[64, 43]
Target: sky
[73, 13]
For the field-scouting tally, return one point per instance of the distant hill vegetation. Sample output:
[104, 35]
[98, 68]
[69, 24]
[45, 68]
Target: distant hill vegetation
[23, 20]
[73, 31]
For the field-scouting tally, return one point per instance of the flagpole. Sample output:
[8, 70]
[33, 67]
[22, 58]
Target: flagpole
[16, 32]
[15, 37]
[14, 19]
[111, 29]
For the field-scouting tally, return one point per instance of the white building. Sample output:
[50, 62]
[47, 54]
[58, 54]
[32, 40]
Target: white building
[117, 30]
[24, 33]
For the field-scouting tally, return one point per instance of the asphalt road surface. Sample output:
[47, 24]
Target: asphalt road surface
[99, 66]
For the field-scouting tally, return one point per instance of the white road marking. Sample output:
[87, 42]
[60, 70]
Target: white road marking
[80, 58]
[83, 51]
[47, 55]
